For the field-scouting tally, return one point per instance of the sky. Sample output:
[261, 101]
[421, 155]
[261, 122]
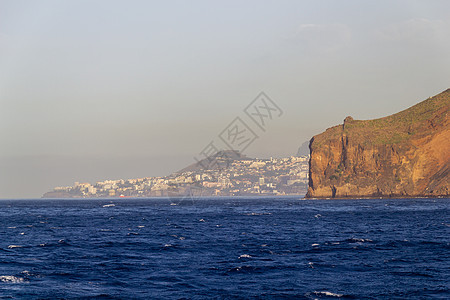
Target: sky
[94, 90]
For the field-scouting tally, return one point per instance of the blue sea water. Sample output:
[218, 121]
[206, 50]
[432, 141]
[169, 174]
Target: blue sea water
[266, 248]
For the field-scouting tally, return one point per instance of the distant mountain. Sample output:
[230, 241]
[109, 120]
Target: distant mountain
[303, 150]
[405, 154]
[221, 159]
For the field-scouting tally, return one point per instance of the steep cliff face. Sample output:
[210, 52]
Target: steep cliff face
[405, 154]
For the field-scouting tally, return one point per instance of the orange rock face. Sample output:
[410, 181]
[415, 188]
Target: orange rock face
[403, 155]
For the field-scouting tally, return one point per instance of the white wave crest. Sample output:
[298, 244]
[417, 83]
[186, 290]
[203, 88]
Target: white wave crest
[329, 294]
[361, 240]
[11, 279]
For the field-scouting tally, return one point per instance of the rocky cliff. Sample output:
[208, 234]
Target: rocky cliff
[405, 154]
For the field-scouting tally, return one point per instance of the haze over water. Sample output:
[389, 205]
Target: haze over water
[96, 90]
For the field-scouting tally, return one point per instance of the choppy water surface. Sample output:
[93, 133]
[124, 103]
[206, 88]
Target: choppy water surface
[227, 248]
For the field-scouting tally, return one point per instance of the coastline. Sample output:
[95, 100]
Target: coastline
[279, 197]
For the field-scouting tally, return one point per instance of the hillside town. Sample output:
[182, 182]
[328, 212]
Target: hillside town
[236, 177]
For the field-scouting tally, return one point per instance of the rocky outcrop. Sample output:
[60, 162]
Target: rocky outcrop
[403, 155]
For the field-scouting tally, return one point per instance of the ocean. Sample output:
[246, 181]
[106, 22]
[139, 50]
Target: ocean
[227, 248]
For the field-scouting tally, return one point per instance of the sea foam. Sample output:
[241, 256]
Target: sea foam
[11, 279]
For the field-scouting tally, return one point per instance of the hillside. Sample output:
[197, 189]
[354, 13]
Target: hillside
[405, 154]
[219, 160]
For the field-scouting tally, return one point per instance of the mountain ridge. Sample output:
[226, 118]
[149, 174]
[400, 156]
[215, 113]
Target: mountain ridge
[219, 160]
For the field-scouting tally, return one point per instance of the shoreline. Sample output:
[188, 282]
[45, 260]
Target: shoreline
[298, 197]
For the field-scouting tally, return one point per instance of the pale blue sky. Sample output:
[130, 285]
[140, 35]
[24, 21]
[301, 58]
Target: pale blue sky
[92, 90]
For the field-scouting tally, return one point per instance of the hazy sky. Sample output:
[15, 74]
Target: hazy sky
[93, 90]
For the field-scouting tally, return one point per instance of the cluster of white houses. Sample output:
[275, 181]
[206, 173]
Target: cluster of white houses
[274, 176]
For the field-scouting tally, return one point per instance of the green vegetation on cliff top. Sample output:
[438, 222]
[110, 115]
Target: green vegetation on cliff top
[393, 129]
